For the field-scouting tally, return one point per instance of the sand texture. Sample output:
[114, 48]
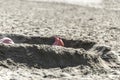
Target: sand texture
[91, 36]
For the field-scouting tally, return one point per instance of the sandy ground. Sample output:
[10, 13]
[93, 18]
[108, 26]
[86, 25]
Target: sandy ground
[86, 31]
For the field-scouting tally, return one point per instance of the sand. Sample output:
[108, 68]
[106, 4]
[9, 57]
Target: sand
[90, 33]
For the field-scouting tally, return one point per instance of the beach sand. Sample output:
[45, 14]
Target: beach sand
[90, 33]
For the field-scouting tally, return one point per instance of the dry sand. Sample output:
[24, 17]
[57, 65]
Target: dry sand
[91, 36]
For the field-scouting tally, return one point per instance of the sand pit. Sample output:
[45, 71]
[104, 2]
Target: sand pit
[38, 53]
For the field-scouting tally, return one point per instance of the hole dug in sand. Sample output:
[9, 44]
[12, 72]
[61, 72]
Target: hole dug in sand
[38, 52]
[20, 39]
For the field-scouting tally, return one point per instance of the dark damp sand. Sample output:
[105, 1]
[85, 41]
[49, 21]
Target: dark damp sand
[68, 21]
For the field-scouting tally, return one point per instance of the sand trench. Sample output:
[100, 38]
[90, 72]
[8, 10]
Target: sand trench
[36, 51]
